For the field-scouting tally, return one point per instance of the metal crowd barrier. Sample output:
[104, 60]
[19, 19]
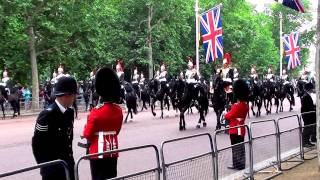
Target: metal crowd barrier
[223, 156]
[310, 127]
[270, 158]
[198, 166]
[290, 151]
[42, 165]
[153, 173]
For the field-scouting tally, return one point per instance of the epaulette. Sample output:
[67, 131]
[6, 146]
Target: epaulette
[99, 106]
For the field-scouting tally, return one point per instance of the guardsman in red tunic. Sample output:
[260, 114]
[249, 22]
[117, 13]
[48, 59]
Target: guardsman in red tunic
[104, 124]
[236, 117]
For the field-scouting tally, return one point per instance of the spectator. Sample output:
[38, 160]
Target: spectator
[307, 105]
[236, 117]
[26, 93]
[104, 124]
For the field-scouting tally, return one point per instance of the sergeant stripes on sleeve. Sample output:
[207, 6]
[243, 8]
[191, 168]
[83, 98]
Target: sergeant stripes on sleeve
[41, 128]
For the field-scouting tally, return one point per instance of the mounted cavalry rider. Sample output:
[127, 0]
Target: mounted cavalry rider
[304, 76]
[163, 78]
[227, 74]
[270, 76]
[135, 81]
[142, 79]
[119, 69]
[254, 74]
[285, 77]
[191, 72]
[5, 81]
[157, 75]
[235, 74]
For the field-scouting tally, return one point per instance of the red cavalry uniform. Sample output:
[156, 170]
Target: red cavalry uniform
[236, 117]
[102, 129]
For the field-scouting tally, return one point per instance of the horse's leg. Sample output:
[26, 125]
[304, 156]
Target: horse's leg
[182, 125]
[265, 105]
[126, 119]
[2, 108]
[252, 109]
[152, 106]
[161, 106]
[218, 114]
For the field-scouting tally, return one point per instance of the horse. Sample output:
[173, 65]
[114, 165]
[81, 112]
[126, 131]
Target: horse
[284, 90]
[12, 96]
[198, 94]
[300, 87]
[144, 95]
[129, 95]
[268, 92]
[158, 92]
[218, 98]
[3, 96]
[48, 94]
[255, 97]
[176, 90]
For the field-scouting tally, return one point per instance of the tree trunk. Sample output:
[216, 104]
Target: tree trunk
[34, 69]
[317, 69]
[150, 42]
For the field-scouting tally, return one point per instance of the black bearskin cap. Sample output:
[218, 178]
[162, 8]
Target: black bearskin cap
[65, 85]
[308, 86]
[241, 90]
[108, 85]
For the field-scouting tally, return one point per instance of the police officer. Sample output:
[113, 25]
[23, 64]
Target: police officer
[53, 132]
[103, 126]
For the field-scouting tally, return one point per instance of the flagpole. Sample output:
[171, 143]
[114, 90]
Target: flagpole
[196, 9]
[281, 43]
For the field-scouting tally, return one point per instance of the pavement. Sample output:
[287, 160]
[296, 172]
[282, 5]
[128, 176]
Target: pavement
[16, 152]
[309, 170]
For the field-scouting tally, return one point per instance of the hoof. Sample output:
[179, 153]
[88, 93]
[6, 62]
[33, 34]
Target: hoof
[204, 124]
[218, 127]
[154, 114]
[180, 128]
[198, 126]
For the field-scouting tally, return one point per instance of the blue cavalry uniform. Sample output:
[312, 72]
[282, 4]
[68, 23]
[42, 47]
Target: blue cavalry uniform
[53, 134]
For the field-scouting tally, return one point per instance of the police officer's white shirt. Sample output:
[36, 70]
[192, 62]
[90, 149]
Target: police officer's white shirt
[62, 108]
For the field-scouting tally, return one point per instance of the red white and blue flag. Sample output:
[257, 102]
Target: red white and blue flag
[293, 4]
[292, 49]
[211, 32]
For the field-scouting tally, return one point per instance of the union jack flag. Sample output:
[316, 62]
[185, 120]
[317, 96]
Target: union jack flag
[293, 4]
[211, 32]
[292, 49]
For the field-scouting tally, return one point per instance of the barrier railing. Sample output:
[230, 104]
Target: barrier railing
[241, 153]
[153, 173]
[198, 166]
[290, 152]
[308, 134]
[42, 165]
[262, 160]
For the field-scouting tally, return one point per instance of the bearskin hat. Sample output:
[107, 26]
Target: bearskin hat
[241, 90]
[308, 86]
[108, 85]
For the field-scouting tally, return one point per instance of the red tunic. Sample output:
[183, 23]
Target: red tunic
[236, 116]
[102, 128]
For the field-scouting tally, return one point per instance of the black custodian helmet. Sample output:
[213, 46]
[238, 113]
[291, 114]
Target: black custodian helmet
[108, 85]
[241, 90]
[65, 85]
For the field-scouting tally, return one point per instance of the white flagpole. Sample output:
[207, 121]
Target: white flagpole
[281, 43]
[196, 9]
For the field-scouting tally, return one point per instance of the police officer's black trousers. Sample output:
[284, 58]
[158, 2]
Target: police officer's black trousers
[102, 169]
[238, 152]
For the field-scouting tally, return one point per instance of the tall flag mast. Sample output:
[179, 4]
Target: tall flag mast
[196, 9]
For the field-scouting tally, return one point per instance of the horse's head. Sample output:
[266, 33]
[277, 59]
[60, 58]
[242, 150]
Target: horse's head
[217, 82]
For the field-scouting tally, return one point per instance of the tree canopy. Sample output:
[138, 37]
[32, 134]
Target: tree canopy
[89, 33]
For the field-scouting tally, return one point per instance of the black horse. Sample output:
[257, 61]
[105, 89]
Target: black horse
[284, 90]
[129, 95]
[218, 98]
[11, 94]
[3, 97]
[144, 95]
[255, 96]
[197, 94]
[158, 92]
[48, 94]
[268, 92]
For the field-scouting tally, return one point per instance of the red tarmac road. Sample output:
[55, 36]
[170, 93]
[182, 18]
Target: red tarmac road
[15, 140]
